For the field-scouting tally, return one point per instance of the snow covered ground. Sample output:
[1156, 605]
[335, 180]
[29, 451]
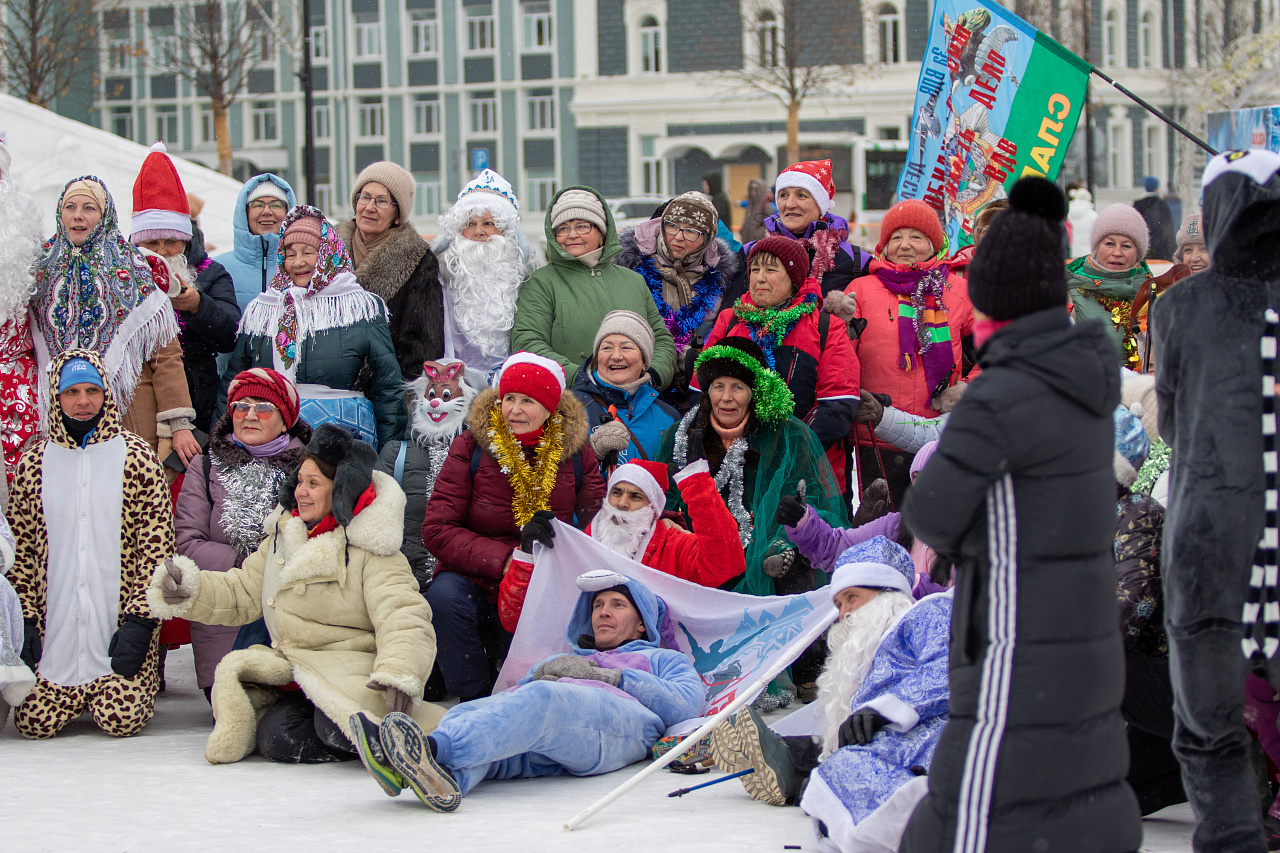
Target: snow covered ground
[86, 791]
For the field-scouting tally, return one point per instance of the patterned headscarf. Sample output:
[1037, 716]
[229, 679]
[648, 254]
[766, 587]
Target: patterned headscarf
[333, 259]
[86, 295]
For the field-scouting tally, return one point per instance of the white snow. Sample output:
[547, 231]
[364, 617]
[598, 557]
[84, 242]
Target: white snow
[85, 791]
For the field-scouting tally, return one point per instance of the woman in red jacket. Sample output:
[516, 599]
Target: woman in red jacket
[814, 356]
[525, 450]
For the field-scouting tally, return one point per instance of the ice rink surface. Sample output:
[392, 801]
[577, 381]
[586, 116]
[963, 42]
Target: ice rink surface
[84, 791]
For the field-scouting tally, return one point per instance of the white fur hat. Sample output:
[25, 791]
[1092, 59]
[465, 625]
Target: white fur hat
[489, 191]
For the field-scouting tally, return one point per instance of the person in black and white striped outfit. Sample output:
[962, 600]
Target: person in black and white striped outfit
[1020, 495]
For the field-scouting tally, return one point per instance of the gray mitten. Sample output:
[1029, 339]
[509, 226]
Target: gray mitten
[947, 399]
[777, 565]
[565, 666]
[171, 584]
[840, 304]
[612, 437]
[608, 676]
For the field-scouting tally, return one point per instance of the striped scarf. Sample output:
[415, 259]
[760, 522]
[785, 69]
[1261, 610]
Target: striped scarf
[924, 336]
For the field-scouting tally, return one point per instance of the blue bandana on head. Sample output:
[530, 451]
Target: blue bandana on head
[78, 371]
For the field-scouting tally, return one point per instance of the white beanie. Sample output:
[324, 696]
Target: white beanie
[267, 189]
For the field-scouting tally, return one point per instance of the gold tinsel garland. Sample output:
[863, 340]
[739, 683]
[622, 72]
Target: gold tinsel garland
[1120, 313]
[531, 485]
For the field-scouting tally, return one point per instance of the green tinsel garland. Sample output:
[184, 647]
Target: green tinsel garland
[1157, 463]
[770, 397]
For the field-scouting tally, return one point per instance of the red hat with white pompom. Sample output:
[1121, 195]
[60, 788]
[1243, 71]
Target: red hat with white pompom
[648, 477]
[160, 209]
[534, 376]
[812, 176]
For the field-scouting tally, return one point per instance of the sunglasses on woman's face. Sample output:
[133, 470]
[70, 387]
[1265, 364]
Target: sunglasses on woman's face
[241, 409]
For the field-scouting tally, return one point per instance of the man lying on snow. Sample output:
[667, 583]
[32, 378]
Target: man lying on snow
[883, 697]
[593, 710]
[630, 522]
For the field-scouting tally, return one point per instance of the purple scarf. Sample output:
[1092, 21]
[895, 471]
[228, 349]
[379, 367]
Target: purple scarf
[924, 337]
[271, 448]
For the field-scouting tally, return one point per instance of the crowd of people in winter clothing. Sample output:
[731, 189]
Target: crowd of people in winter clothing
[1037, 479]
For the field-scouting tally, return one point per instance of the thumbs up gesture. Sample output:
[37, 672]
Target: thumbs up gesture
[171, 584]
[791, 509]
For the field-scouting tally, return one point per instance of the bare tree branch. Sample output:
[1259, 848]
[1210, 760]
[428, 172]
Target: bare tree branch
[46, 45]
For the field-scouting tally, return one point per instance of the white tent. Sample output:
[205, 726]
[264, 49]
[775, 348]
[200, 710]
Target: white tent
[49, 150]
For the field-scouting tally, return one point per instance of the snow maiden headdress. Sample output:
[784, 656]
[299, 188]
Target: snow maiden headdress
[99, 296]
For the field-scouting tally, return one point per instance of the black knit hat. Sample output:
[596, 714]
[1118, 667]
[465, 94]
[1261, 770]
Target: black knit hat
[351, 461]
[712, 369]
[1018, 268]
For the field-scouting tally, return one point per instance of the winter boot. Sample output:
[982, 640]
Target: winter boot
[410, 752]
[744, 742]
[368, 742]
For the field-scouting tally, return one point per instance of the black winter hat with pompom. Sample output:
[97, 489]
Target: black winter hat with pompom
[1019, 267]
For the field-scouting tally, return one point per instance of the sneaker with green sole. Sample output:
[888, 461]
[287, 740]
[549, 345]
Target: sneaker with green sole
[744, 742]
[406, 746]
[368, 743]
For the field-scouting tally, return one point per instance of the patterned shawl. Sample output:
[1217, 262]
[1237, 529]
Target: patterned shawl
[100, 297]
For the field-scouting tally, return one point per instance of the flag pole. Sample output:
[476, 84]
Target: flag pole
[784, 660]
[1155, 112]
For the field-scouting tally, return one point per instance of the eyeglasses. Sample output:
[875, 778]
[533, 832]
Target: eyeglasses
[690, 234]
[274, 206]
[380, 202]
[577, 229]
[241, 409]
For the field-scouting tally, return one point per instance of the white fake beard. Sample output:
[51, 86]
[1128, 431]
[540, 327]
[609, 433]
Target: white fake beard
[626, 533]
[19, 244]
[852, 643]
[484, 280]
[429, 431]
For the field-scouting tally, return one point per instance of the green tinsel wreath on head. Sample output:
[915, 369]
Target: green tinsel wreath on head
[771, 399]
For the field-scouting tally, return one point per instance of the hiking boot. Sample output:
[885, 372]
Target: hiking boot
[743, 742]
[411, 755]
[368, 744]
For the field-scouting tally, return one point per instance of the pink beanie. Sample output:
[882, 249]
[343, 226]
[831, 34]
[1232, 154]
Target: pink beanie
[922, 457]
[1123, 220]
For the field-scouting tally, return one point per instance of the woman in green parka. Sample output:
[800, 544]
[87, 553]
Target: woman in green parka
[561, 306]
[757, 451]
[318, 327]
[1102, 284]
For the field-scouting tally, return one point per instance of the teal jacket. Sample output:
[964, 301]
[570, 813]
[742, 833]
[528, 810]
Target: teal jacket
[561, 306]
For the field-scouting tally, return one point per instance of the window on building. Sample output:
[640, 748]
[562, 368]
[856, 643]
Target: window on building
[1147, 40]
[484, 112]
[263, 121]
[542, 109]
[650, 45]
[322, 121]
[767, 39]
[1152, 148]
[261, 39]
[540, 191]
[167, 124]
[122, 121]
[426, 199]
[368, 35]
[206, 123]
[120, 48]
[320, 44]
[424, 33]
[654, 171]
[371, 117]
[164, 49]
[324, 197]
[426, 114]
[890, 32]
[537, 25]
[888, 133]
[1111, 38]
[1118, 156]
[480, 29]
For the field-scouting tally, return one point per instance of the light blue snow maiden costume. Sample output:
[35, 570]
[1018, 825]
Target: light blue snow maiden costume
[862, 796]
[575, 726]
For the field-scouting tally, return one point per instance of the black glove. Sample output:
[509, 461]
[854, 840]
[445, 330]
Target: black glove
[538, 529]
[130, 644]
[874, 504]
[790, 510]
[31, 646]
[861, 728]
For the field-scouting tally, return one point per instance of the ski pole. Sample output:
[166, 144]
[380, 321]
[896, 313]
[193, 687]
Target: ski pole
[682, 791]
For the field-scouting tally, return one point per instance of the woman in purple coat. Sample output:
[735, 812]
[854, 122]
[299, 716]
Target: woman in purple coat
[230, 490]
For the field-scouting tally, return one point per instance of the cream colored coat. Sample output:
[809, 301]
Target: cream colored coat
[348, 611]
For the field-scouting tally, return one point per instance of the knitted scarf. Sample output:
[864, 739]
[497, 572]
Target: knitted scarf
[924, 337]
[100, 296]
[685, 320]
[768, 327]
[333, 259]
[822, 239]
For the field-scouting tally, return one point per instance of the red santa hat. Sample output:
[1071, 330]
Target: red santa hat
[160, 209]
[812, 176]
[648, 477]
[533, 375]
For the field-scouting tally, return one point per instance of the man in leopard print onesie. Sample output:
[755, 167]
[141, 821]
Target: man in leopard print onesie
[91, 515]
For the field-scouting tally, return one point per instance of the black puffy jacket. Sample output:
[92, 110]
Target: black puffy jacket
[1021, 496]
[208, 331]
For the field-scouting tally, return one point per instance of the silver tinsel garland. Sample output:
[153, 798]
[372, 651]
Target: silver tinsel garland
[251, 493]
[731, 474]
[437, 453]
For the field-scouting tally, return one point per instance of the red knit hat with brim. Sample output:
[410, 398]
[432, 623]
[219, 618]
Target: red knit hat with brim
[812, 176]
[160, 209]
[266, 384]
[791, 253]
[911, 213]
[534, 376]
